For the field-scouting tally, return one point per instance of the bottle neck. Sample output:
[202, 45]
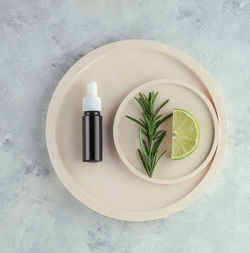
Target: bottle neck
[92, 113]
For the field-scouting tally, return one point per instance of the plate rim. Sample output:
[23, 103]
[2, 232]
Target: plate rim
[143, 175]
[82, 196]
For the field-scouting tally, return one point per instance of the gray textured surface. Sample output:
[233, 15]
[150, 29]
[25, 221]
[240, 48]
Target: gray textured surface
[39, 41]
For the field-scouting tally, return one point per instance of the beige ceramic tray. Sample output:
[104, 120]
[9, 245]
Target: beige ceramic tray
[180, 95]
[109, 187]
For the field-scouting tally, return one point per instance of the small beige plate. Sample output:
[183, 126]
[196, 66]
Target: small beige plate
[182, 96]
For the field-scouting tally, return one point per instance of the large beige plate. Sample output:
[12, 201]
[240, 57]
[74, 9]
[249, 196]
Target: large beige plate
[109, 187]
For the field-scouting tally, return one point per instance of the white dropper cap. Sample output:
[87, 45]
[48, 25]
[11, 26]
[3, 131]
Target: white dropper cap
[91, 102]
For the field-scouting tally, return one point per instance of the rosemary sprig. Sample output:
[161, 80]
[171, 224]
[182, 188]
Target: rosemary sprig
[150, 137]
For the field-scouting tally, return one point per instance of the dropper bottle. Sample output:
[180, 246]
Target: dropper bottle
[91, 125]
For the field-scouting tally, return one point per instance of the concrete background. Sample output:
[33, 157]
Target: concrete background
[39, 41]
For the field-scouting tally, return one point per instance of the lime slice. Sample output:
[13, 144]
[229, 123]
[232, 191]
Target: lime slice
[186, 134]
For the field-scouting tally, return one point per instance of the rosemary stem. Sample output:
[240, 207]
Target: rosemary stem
[152, 119]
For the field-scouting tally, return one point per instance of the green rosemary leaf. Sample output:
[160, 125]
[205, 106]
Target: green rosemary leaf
[165, 151]
[158, 142]
[158, 160]
[143, 97]
[144, 133]
[159, 122]
[144, 162]
[141, 104]
[157, 134]
[135, 120]
[149, 96]
[159, 108]
[147, 120]
[143, 147]
[153, 102]
[141, 120]
[154, 161]
[144, 102]
[157, 117]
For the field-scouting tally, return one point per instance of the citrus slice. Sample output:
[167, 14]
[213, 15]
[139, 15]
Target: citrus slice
[186, 134]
